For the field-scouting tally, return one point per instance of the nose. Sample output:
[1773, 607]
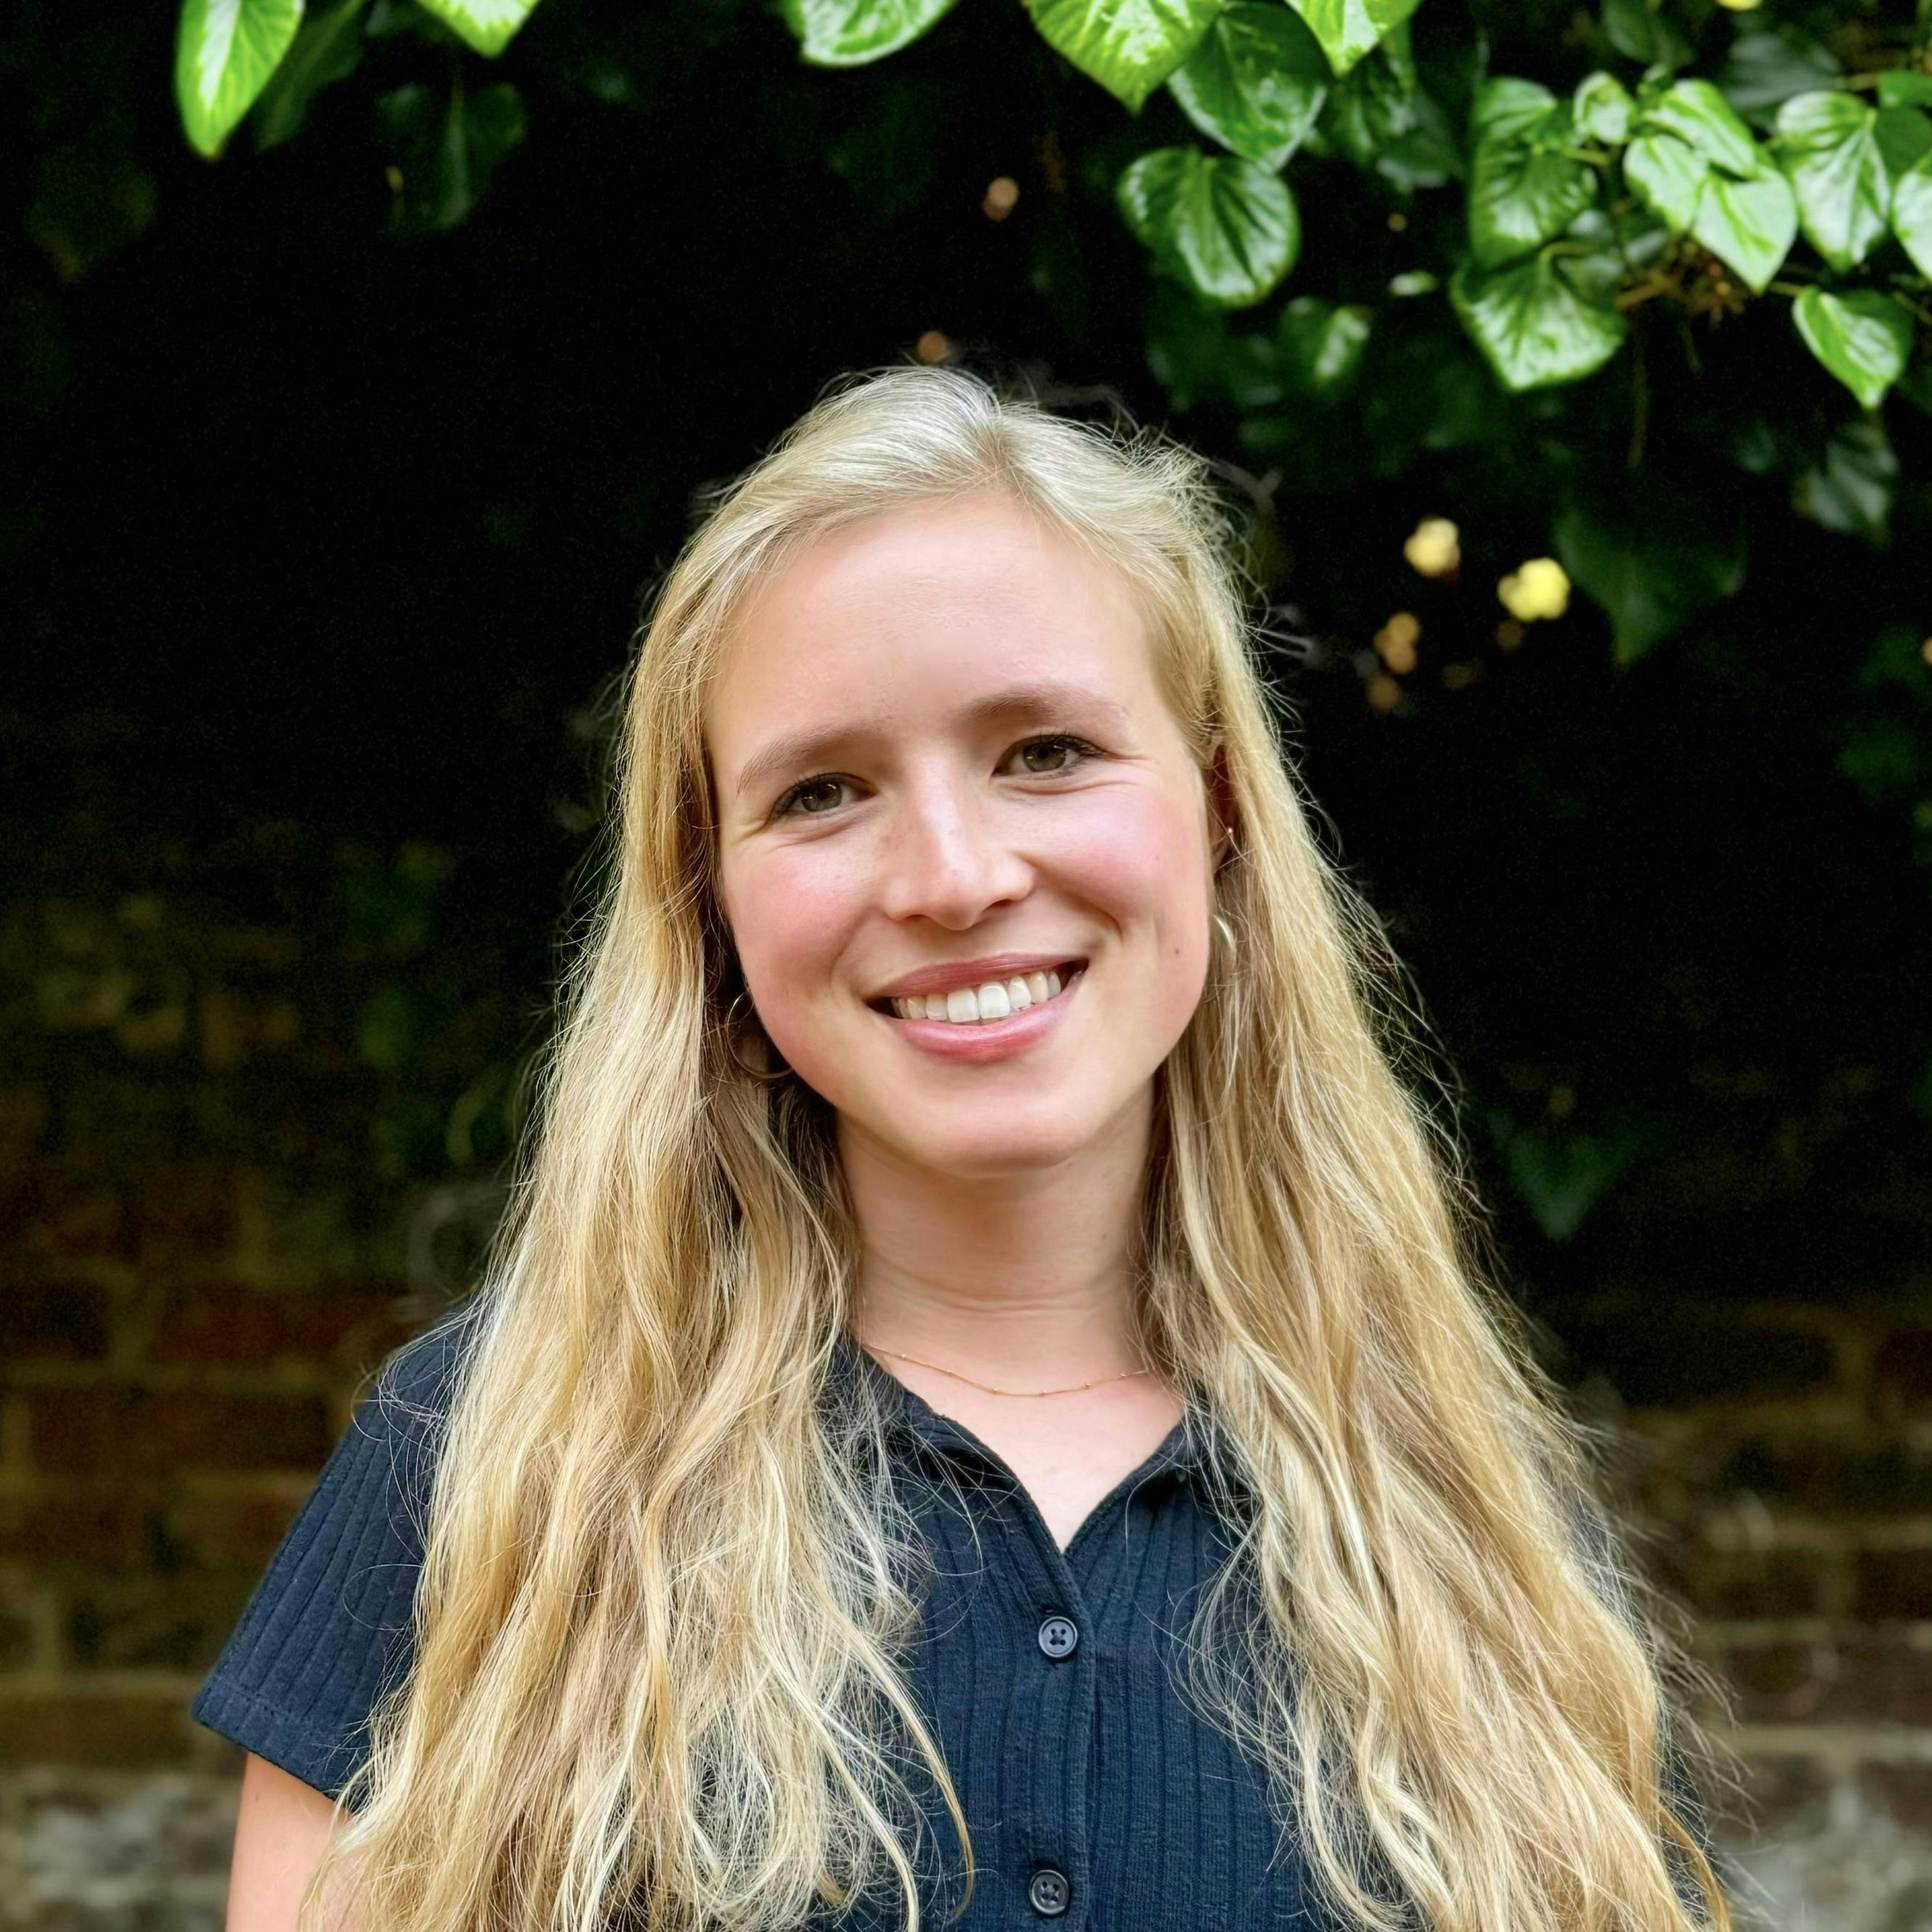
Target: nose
[949, 856]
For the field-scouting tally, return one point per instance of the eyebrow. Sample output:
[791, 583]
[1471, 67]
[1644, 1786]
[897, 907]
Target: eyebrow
[800, 749]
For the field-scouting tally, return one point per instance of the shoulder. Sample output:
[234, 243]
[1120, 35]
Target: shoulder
[329, 1626]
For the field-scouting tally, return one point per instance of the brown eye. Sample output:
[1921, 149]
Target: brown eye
[792, 803]
[1074, 750]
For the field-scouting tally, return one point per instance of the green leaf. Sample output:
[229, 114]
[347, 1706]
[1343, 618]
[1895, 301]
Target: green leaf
[849, 33]
[1348, 29]
[1611, 250]
[1696, 112]
[1129, 47]
[1864, 338]
[1653, 559]
[1226, 227]
[446, 148]
[1533, 325]
[1669, 176]
[1915, 386]
[328, 49]
[1524, 188]
[392, 1027]
[488, 25]
[1561, 1175]
[1322, 343]
[1912, 214]
[1508, 107]
[225, 51]
[1198, 356]
[1850, 487]
[1255, 82]
[1827, 144]
[1768, 63]
[1902, 88]
[1904, 138]
[1380, 120]
[1749, 225]
[1602, 108]
[1642, 29]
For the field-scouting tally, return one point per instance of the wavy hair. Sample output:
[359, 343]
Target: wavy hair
[659, 1633]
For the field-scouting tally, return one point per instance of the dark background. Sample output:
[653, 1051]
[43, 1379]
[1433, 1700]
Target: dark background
[321, 542]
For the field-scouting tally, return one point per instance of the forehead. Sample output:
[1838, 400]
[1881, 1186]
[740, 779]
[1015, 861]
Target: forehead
[920, 605]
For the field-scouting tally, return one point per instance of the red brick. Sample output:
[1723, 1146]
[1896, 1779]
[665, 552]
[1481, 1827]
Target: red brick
[1902, 1374]
[241, 1328]
[185, 1215]
[1868, 1677]
[47, 1322]
[166, 1623]
[1787, 1797]
[236, 1026]
[90, 1432]
[1818, 1472]
[17, 1638]
[56, 1219]
[1901, 1791]
[243, 1529]
[85, 1525]
[68, 1727]
[1765, 1583]
[1893, 1585]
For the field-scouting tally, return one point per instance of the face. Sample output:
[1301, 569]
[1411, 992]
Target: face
[943, 761]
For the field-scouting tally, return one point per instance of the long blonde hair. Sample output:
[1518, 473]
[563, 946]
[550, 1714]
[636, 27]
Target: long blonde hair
[660, 1627]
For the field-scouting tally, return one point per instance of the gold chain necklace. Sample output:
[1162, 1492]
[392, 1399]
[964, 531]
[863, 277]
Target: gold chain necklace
[988, 1388]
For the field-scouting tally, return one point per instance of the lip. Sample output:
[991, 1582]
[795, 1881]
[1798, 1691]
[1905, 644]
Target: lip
[950, 974]
[985, 1040]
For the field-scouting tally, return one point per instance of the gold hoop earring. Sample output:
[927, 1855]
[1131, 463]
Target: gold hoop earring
[761, 1076]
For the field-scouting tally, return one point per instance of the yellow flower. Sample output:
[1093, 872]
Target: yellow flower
[1741, 6]
[1434, 547]
[1395, 642]
[1540, 588]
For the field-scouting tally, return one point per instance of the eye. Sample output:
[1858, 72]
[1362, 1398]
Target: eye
[792, 803]
[1081, 750]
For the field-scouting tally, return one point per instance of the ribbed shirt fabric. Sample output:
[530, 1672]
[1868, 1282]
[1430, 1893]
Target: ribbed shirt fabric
[1095, 1796]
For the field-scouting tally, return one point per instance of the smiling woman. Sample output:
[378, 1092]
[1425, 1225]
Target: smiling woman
[970, 992]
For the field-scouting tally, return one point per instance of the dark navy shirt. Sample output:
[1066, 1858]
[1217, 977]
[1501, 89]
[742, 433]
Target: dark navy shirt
[1096, 1795]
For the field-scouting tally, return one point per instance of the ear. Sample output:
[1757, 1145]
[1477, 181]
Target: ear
[1221, 803]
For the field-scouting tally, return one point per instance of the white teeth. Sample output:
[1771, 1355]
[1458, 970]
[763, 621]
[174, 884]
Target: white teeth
[994, 1000]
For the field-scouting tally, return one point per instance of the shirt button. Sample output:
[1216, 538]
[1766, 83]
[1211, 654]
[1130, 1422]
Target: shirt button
[1049, 1894]
[1057, 1637]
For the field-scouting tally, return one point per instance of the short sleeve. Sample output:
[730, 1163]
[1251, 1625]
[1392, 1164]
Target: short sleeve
[328, 1629]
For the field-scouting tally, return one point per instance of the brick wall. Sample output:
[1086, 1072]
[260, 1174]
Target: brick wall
[203, 1260]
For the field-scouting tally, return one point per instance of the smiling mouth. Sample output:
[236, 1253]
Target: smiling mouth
[992, 999]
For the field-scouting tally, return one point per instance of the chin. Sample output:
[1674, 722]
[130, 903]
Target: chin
[988, 1143]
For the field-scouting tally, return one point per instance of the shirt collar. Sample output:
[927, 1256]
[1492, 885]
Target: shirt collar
[913, 1415]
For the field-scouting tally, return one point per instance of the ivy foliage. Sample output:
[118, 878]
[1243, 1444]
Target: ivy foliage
[1704, 162]
[1637, 293]
[1849, 163]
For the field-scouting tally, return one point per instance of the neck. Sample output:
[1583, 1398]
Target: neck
[1027, 1276]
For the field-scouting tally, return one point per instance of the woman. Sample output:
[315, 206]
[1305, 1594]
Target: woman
[980, 1405]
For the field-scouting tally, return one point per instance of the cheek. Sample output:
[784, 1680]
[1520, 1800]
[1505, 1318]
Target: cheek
[1142, 860]
[792, 913]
